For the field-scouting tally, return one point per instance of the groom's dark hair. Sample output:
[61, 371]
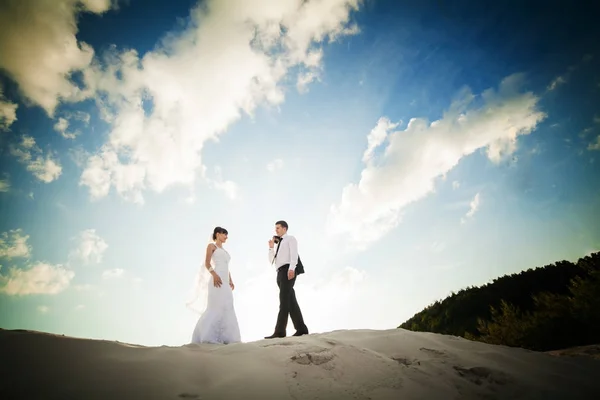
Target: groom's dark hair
[282, 223]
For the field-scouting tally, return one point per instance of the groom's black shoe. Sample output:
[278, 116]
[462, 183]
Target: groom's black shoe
[300, 333]
[275, 335]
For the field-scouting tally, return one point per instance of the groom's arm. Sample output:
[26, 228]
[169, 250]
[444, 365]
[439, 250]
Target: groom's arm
[271, 255]
[293, 253]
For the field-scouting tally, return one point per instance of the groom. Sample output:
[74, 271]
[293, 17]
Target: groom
[288, 266]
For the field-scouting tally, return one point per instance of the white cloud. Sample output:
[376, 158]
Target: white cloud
[40, 50]
[230, 60]
[595, 145]
[229, 187]
[61, 127]
[564, 78]
[586, 131]
[415, 157]
[8, 111]
[305, 79]
[41, 278]
[4, 185]
[376, 137]
[78, 116]
[46, 168]
[473, 207]
[275, 165]
[113, 273]
[13, 244]
[559, 80]
[43, 309]
[99, 173]
[79, 156]
[63, 123]
[91, 247]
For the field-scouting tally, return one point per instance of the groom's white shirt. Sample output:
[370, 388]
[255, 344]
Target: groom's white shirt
[288, 252]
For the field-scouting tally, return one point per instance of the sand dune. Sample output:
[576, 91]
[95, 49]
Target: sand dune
[357, 364]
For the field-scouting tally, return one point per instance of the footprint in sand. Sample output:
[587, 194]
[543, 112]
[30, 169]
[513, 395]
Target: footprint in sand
[406, 361]
[314, 358]
[437, 353]
[189, 396]
[478, 375]
[280, 344]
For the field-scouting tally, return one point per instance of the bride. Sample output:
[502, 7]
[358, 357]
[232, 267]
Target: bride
[218, 323]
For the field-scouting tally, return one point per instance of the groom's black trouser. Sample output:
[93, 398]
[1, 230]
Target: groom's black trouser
[288, 305]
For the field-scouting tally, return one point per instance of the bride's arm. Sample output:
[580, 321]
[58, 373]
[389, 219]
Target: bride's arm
[210, 249]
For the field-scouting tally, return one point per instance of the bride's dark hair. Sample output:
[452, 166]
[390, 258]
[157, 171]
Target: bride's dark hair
[218, 229]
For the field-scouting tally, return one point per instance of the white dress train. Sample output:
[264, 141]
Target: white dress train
[218, 324]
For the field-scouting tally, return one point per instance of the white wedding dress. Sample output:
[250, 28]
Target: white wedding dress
[218, 324]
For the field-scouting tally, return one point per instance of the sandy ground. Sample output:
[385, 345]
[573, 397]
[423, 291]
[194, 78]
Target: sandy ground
[353, 364]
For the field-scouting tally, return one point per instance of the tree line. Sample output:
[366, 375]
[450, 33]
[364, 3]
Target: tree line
[546, 308]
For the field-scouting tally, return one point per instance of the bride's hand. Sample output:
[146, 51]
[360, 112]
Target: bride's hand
[217, 279]
[231, 285]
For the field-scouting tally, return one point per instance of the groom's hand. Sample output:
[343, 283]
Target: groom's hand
[291, 274]
[271, 243]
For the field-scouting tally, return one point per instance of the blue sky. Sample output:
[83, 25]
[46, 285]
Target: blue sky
[421, 150]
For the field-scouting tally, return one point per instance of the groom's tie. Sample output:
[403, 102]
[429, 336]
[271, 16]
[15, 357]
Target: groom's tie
[277, 250]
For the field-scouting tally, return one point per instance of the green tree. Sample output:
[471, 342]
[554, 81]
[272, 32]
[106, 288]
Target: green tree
[540, 309]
